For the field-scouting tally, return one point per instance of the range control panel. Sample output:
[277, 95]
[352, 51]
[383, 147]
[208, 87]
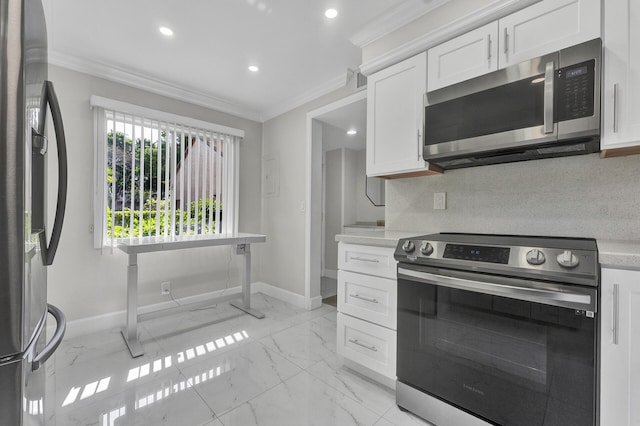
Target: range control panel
[518, 256]
[477, 253]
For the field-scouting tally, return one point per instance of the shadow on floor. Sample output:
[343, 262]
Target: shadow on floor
[331, 300]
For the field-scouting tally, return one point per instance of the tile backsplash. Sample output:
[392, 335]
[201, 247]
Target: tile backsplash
[581, 196]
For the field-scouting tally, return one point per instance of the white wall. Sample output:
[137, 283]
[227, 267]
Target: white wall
[83, 282]
[349, 185]
[333, 207]
[582, 196]
[283, 256]
[365, 210]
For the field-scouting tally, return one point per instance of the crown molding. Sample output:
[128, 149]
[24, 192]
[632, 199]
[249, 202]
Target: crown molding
[149, 84]
[397, 17]
[489, 13]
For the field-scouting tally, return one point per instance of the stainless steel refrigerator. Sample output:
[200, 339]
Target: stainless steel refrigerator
[26, 246]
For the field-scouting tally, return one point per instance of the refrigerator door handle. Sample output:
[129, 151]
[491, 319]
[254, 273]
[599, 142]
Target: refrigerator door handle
[49, 250]
[55, 341]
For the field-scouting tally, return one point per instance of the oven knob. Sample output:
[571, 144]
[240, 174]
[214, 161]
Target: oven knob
[426, 248]
[535, 257]
[408, 246]
[568, 259]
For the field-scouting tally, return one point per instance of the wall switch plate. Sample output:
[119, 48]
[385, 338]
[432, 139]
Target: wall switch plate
[439, 200]
[165, 288]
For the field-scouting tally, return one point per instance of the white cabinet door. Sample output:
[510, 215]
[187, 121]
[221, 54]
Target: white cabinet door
[621, 84]
[394, 118]
[468, 56]
[548, 26]
[620, 348]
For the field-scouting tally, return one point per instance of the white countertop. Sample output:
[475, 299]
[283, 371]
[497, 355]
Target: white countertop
[619, 254]
[375, 238]
[151, 244]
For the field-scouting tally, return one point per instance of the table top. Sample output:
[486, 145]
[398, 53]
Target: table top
[151, 244]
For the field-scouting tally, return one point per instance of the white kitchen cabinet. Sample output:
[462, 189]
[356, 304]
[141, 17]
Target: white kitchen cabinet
[620, 348]
[544, 27]
[394, 119]
[367, 310]
[547, 26]
[621, 78]
[462, 58]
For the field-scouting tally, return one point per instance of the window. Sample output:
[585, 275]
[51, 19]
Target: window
[159, 174]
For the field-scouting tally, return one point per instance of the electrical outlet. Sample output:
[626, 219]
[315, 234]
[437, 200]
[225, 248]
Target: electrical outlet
[165, 288]
[440, 201]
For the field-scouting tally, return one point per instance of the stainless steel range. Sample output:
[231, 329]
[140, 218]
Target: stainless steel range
[497, 329]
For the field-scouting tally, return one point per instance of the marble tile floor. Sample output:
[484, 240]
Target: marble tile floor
[218, 367]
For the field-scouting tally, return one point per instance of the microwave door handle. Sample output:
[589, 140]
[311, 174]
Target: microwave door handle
[548, 97]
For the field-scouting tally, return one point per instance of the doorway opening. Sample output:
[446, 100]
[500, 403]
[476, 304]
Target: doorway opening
[336, 190]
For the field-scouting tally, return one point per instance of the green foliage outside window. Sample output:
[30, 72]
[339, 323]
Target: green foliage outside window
[119, 224]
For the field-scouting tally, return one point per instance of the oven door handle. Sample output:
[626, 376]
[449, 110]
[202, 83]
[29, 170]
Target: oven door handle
[534, 291]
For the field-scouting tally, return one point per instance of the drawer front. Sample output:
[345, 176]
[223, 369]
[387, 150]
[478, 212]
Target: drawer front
[367, 259]
[368, 297]
[367, 344]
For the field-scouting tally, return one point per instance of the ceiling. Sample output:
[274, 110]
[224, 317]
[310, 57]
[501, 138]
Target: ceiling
[301, 53]
[351, 116]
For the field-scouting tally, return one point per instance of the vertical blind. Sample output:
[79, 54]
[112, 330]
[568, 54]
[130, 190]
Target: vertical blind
[159, 174]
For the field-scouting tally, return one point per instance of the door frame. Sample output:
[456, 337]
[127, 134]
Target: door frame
[313, 215]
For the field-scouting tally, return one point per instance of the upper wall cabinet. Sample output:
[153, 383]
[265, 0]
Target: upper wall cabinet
[539, 29]
[547, 26]
[470, 55]
[394, 119]
[621, 79]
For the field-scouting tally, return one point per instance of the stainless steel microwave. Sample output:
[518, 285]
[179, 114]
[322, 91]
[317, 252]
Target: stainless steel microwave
[544, 107]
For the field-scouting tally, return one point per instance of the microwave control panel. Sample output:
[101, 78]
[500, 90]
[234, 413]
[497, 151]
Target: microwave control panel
[576, 91]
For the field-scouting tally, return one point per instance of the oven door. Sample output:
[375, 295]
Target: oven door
[510, 351]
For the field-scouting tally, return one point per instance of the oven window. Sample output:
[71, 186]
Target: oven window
[508, 361]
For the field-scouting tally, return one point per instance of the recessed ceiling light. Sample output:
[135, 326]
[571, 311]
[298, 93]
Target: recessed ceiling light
[352, 132]
[331, 13]
[253, 68]
[166, 31]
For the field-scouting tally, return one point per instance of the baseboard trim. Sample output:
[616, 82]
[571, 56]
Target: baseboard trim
[117, 319]
[290, 297]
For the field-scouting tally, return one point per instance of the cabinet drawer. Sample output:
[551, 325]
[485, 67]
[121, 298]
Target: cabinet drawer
[367, 297]
[367, 259]
[367, 344]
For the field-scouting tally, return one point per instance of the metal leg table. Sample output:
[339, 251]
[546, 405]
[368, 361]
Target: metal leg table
[134, 247]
